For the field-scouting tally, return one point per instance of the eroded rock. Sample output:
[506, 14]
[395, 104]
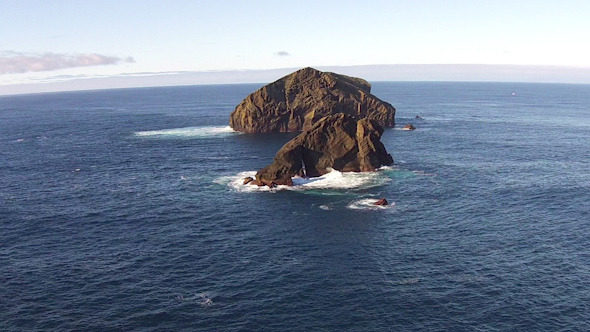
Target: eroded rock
[338, 142]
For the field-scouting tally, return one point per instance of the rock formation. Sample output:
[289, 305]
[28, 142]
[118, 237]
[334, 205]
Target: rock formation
[338, 141]
[297, 101]
[409, 126]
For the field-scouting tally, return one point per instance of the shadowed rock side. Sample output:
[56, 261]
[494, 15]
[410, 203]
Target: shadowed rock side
[298, 100]
[337, 141]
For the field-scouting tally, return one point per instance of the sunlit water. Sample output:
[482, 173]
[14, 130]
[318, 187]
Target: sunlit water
[125, 210]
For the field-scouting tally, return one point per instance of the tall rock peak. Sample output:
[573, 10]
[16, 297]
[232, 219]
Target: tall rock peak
[297, 101]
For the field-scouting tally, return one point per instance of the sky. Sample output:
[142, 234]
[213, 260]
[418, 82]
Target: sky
[68, 44]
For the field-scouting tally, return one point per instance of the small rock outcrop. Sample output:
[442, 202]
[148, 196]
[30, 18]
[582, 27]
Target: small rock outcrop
[337, 142]
[381, 202]
[409, 127]
[297, 101]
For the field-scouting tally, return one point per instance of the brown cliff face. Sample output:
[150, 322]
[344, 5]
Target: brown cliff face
[297, 101]
[338, 141]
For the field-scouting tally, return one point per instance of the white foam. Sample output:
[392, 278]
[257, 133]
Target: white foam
[237, 183]
[368, 204]
[342, 180]
[188, 132]
[334, 180]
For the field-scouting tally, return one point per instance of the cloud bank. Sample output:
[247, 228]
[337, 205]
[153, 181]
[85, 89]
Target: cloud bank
[17, 63]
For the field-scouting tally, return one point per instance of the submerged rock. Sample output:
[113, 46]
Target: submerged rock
[297, 101]
[263, 182]
[256, 183]
[337, 142]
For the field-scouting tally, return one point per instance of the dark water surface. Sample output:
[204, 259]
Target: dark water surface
[119, 210]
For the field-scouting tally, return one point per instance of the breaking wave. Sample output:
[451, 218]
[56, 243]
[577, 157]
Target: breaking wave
[334, 180]
[188, 132]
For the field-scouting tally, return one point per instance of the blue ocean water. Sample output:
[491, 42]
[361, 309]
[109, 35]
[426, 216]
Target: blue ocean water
[122, 210]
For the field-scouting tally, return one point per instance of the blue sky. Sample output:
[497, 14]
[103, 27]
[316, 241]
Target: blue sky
[55, 41]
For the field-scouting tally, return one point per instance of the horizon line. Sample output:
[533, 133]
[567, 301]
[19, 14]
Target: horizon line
[372, 72]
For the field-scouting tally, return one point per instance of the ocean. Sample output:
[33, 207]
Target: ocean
[122, 210]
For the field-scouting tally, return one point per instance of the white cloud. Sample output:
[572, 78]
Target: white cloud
[16, 63]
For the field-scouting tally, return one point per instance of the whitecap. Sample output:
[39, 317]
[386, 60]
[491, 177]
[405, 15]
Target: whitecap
[188, 132]
[368, 204]
[409, 281]
[423, 173]
[205, 301]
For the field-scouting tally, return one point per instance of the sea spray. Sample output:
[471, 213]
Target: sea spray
[188, 132]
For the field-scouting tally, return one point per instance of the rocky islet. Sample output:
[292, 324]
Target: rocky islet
[341, 123]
